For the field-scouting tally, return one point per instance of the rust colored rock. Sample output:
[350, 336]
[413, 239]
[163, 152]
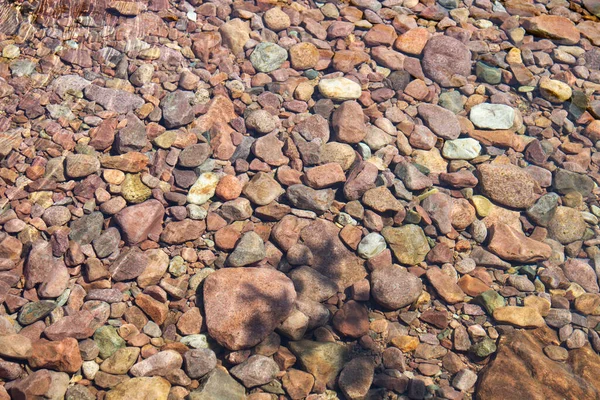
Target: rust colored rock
[244, 305]
[512, 245]
[61, 356]
[140, 221]
[521, 370]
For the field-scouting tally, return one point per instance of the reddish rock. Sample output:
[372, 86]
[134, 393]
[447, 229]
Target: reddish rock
[140, 221]
[512, 245]
[348, 123]
[352, 319]
[62, 356]
[244, 305]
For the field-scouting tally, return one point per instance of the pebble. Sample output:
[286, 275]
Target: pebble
[340, 89]
[492, 116]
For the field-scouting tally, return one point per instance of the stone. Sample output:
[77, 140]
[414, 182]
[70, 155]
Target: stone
[268, 57]
[249, 250]
[407, 242]
[461, 149]
[444, 58]
[199, 362]
[331, 257]
[512, 245]
[238, 321]
[276, 19]
[307, 198]
[507, 185]
[235, 34]
[61, 355]
[352, 319]
[324, 360]
[554, 90]
[356, 378]
[261, 121]
[179, 232]
[121, 361]
[115, 100]
[304, 56]
[524, 317]
[142, 388]
[81, 165]
[567, 181]
[139, 221]
[492, 116]
[159, 364]
[567, 225]
[581, 272]
[218, 384]
[15, 346]
[255, 371]
[325, 175]
[441, 121]
[394, 288]
[348, 123]
[371, 245]
[194, 155]
[340, 89]
[464, 380]
[528, 372]
[262, 189]
[298, 384]
[204, 188]
[108, 341]
[445, 286]
[554, 27]
[87, 228]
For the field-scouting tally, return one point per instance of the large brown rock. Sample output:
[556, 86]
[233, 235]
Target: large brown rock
[244, 305]
[445, 60]
[512, 245]
[141, 220]
[508, 185]
[521, 370]
[331, 257]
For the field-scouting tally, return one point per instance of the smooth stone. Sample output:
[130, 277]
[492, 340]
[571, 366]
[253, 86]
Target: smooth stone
[492, 116]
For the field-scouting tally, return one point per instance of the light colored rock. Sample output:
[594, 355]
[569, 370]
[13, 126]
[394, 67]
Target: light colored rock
[492, 116]
[340, 89]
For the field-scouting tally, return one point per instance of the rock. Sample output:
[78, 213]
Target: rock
[381, 200]
[445, 58]
[304, 56]
[356, 378]
[408, 243]
[87, 228]
[134, 190]
[145, 388]
[63, 356]
[204, 188]
[262, 189]
[394, 287]
[524, 317]
[237, 321]
[108, 341]
[129, 265]
[194, 155]
[121, 361]
[160, 364]
[322, 359]
[566, 181]
[235, 34]
[331, 256]
[512, 245]
[276, 20]
[445, 286]
[441, 121]
[348, 123]
[15, 346]
[218, 385]
[199, 362]
[567, 225]
[325, 175]
[255, 371]
[261, 121]
[298, 384]
[115, 100]
[140, 221]
[508, 185]
[249, 250]
[307, 198]
[521, 369]
[580, 271]
[340, 89]
[371, 245]
[464, 380]
[81, 165]
[492, 116]
[352, 319]
[268, 57]
[461, 149]
[182, 231]
[554, 27]
[555, 91]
